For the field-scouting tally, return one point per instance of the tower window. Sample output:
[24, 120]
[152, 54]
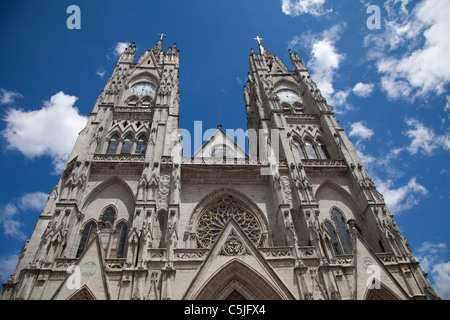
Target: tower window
[86, 237]
[127, 144]
[334, 239]
[322, 150]
[299, 148]
[146, 102]
[119, 242]
[113, 143]
[108, 218]
[132, 102]
[141, 146]
[107, 221]
[310, 151]
[342, 232]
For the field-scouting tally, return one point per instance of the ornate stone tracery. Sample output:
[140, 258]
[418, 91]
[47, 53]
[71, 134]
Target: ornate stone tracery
[216, 216]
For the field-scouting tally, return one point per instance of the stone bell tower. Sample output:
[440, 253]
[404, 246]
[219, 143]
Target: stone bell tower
[105, 204]
[325, 198]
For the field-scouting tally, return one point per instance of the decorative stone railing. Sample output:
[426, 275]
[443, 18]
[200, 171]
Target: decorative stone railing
[387, 258]
[116, 264]
[119, 158]
[190, 254]
[157, 254]
[277, 252]
[307, 252]
[221, 161]
[64, 263]
[344, 259]
[133, 109]
[323, 163]
[301, 117]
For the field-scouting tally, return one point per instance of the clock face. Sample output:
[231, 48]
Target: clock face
[221, 151]
[287, 95]
[142, 89]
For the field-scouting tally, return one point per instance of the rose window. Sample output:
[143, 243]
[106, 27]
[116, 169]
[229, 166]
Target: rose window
[216, 216]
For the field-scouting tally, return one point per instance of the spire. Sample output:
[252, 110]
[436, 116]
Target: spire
[219, 125]
[159, 46]
[261, 48]
[297, 61]
[161, 35]
[128, 54]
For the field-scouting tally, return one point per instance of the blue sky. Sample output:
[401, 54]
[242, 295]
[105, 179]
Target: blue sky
[389, 88]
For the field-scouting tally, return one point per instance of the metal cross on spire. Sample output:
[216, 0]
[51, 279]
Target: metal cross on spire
[258, 39]
[162, 35]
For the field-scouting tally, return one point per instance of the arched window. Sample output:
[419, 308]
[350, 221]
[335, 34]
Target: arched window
[119, 241]
[298, 108]
[86, 237]
[299, 148]
[127, 144]
[342, 232]
[215, 217]
[141, 146]
[132, 102]
[146, 102]
[310, 151]
[322, 150]
[113, 143]
[334, 239]
[108, 218]
[107, 222]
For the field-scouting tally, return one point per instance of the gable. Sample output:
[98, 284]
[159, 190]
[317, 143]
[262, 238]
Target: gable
[88, 279]
[234, 263]
[220, 144]
[372, 276]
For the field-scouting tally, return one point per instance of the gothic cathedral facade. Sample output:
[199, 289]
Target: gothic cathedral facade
[295, 218]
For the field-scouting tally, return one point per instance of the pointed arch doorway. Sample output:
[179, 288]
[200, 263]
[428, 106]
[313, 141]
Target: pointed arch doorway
[237, 281]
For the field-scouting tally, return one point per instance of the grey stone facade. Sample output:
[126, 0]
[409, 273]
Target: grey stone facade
[132, 219]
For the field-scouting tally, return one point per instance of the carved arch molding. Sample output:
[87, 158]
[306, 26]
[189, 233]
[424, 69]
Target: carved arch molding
[237, 280]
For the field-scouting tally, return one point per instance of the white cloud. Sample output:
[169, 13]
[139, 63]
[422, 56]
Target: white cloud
[10, 213]
[360, 131]
[412, 52]
[8, 97]
[51, 130]
[441, 277]
[299, 7]
[120, 47]
[7, 265]
[430, 258]
[366, 159]
[101, 74]
[425, 140]
[34, 201]
[402, 198]
[363, 90]
[325, 61]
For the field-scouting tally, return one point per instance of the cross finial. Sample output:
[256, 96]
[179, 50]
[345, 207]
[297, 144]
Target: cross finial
[258, 39]
[162, 35]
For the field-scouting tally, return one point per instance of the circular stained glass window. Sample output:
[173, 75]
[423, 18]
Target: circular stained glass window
[214, 219]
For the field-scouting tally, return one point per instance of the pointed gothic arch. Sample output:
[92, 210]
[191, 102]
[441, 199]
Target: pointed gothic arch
[237, 278]
[84, 293]
[107, 183]
[113, 143]
[339, 190]
[144, 76]
[381, 293]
